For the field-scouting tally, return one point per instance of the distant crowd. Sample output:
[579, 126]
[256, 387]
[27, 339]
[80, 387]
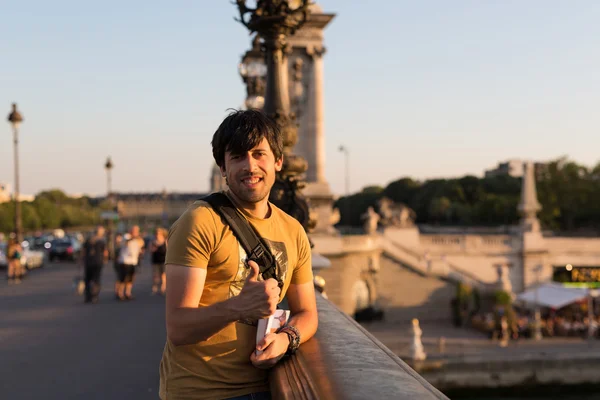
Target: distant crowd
[571, 321]
[91, 251]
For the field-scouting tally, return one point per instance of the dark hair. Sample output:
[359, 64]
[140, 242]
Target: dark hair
[241, 131]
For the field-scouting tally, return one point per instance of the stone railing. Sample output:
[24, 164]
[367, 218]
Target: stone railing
[467, 243]
[344, 361]
[573, 245]
[432, 265]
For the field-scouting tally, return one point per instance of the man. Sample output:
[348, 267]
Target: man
[214, 297]
[94, 254]
[129, 258]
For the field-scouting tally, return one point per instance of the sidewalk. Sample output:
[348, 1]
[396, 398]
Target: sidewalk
[470, 345]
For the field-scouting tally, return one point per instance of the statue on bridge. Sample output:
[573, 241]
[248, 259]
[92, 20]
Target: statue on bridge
[396, 215]
[371, 220]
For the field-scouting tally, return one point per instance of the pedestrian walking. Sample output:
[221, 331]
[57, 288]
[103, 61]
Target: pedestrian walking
[129, 258]
[14, 253]
[94, 254]
[158, 251]
[116, 264]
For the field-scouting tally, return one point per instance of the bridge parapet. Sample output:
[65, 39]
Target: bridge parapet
[566, 245]
[469, 243]
[344, 361]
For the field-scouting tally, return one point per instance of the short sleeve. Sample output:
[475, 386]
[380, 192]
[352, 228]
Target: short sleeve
[303, 270]
[192, 238]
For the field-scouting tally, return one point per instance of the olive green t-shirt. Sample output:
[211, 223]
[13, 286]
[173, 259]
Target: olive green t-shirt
[220, 367]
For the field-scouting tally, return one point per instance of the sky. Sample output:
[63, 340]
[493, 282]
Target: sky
[422, 89]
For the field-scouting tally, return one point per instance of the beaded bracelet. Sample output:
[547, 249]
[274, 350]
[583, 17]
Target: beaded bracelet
[294, 337]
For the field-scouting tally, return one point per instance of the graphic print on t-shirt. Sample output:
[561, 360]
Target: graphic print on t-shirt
[281, 259]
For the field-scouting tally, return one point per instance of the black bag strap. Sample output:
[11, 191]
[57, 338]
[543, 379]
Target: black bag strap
[250, 240]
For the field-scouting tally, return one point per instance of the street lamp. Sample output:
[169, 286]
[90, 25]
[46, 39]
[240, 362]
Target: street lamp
[344, 150]
[253, 71]
[274, 21]
[15, 118]
[108, 166]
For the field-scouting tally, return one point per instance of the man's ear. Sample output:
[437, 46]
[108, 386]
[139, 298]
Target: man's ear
[279, 164]
[222, 168]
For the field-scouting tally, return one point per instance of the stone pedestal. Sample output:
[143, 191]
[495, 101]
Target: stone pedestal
[351, 280]
[320, 200]
[534, 260]
[536, 268]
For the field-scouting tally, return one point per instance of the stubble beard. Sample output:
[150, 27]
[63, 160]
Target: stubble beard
[251, 196]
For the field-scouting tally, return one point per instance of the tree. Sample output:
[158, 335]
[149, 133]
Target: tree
[438, 209]
[568, 192]
[7, 217]
[402, 191]
[372, 189]
[48, 212]
[30, 218]
[55, 196]
[472, 188]
[354, 206]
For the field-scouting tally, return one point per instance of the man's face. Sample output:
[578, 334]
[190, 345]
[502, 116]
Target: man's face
[135, 231]
[251, 175]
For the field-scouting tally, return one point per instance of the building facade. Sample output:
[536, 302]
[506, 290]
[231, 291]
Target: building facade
[514, 168]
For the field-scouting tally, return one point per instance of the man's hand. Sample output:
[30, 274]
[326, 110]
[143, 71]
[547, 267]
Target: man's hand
[257, 299]
[273, 346]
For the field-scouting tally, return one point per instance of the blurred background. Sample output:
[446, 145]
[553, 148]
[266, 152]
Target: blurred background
[452, 180]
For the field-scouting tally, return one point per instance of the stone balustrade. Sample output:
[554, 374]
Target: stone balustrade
[573, 245]
[344, 361]
[468, 243]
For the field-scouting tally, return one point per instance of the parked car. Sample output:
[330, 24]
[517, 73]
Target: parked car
[38, 242]
[66, 248]
[33, 258]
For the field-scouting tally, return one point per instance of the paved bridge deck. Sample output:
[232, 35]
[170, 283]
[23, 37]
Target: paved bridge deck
[52, 346]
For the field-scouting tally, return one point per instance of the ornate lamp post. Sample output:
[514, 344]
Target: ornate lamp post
[274, 20]
[15, 118]
[253, 71]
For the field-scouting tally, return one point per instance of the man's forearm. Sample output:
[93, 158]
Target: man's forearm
[193, 325]
[306, 322]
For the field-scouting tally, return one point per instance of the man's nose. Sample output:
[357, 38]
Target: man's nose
[250, 164]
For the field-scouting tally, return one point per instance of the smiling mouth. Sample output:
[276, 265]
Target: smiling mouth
[250, 181]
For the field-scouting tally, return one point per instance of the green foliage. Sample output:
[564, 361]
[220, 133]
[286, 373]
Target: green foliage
[49, 210]
[568, 192]
[352, 207]
[439, 209]
[502, 298]
[402, 190]
[372, 189]
[463, 291]
[7, 217]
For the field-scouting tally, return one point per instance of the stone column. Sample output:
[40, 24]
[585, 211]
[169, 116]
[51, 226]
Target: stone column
[307, 45]
[534, 251]
[315, 120]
